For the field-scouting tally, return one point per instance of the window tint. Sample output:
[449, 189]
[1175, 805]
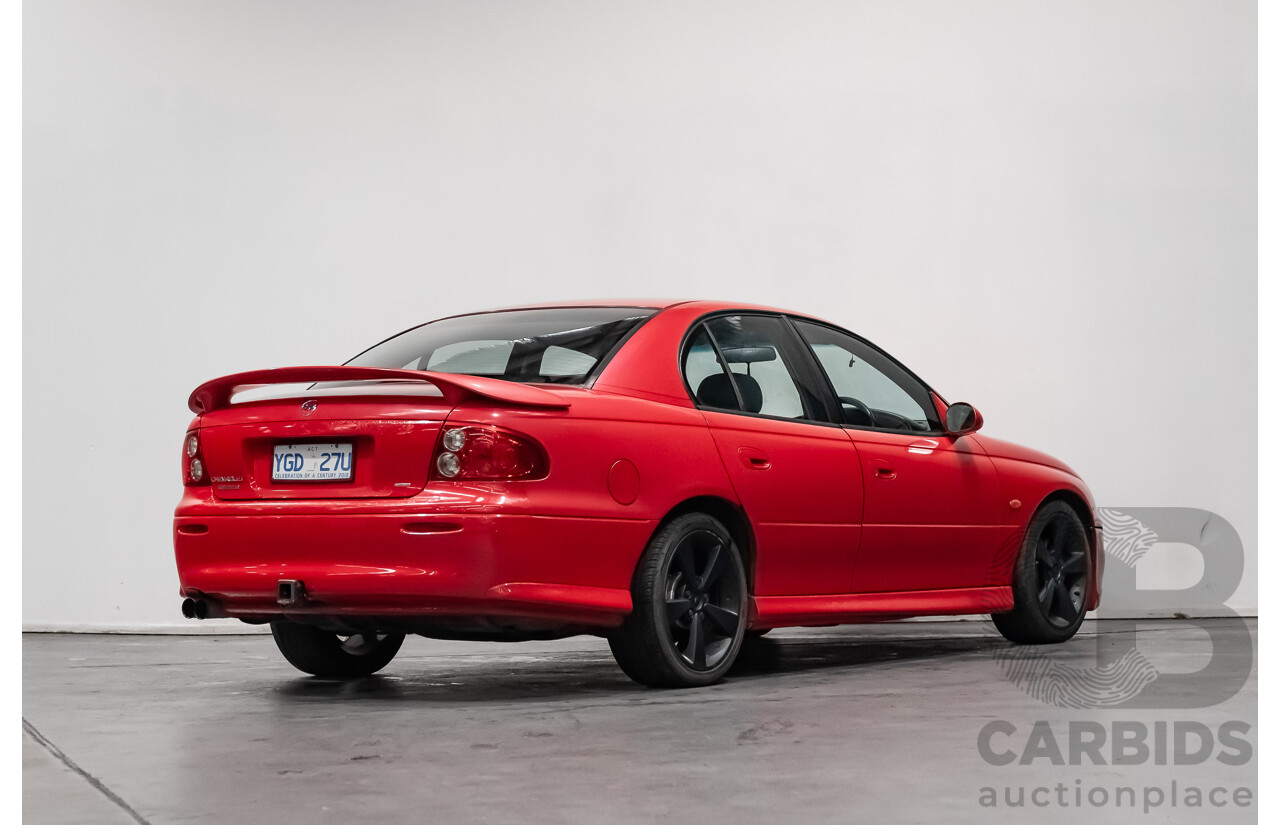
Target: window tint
[753, 347]
[554, 345]
[873, 390]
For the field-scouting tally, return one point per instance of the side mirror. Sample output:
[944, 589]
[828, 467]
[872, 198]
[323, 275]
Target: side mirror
[962, 419]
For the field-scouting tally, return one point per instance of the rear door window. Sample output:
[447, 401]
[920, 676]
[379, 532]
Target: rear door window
[761, 377]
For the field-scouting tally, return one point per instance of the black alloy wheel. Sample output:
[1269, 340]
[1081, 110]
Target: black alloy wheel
[689, 599]
[1050, 579]
[1060, 569]
[703, 604]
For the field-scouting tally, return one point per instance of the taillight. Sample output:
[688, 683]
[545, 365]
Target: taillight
[473, 453]
[193, 469]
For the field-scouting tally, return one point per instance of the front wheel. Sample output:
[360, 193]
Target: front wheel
[1050, 579]
[689, 597]
[332, 656]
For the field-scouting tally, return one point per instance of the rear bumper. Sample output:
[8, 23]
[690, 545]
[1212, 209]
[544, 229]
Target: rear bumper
[511, 569]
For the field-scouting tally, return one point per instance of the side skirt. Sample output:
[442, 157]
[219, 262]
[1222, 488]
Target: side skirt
[855, 608]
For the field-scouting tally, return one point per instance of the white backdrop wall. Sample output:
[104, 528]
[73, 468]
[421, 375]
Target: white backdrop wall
[1047, 209]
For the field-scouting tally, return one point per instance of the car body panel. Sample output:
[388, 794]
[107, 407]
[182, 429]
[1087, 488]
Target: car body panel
[436, 563]
[931, 519]
[802, 486]
[1027, 479]
[999, 449]
[788, 611]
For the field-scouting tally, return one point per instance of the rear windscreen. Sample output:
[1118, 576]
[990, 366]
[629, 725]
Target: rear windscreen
[549, 346]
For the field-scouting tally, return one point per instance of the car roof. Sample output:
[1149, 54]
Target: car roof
[705, 305]
[651, 303]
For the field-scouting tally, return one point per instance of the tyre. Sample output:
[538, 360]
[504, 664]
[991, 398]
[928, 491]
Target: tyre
[689, 601]
[1050, 579]
[331, 656]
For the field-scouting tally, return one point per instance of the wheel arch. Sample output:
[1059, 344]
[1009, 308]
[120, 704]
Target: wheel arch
[1092, 530]
[1076, 502]
[728, 513]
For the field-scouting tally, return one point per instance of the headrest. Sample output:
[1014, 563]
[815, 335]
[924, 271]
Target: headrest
[716, 391]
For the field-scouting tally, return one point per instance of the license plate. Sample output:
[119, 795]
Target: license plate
[311, 462]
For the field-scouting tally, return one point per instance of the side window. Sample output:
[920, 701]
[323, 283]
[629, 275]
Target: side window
[873, 390]
[753, 348]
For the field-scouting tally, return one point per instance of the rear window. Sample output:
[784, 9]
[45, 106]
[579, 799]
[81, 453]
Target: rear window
[546, 346]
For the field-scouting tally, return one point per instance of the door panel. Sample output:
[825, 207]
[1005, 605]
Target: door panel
[929, 514]
[801, 485]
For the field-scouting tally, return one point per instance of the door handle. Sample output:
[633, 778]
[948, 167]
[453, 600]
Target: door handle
[924, 446]
[883, 470]
[753, 458]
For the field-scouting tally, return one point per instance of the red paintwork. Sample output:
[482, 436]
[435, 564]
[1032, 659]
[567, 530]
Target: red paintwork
[838, 524]
[216, 394]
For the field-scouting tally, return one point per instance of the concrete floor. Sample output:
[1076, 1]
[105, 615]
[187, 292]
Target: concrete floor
[877, 723]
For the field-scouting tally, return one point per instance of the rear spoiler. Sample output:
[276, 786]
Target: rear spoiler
[217, 394]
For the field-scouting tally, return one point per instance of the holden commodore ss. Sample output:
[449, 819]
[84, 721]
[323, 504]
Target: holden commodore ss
[672, 476]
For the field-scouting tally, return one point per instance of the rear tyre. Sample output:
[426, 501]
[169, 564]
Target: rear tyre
[1050, 579]
[689, 597]
[331, 656]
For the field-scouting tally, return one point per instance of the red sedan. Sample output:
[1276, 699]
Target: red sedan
[670, 475]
